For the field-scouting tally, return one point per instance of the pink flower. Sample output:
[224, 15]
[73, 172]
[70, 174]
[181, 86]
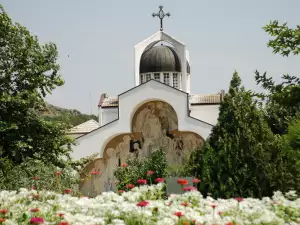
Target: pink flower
[95, 172]
[191, 188]
[36, 220]
[124, 165]
[121, 191]
[196, 181]
[58, 173]
[214, 206]
[150, 172]
[143, 204]
[160, 180]
[63, 223]
[60, 214]
[239, 199]
[141, 181]
[179, 214]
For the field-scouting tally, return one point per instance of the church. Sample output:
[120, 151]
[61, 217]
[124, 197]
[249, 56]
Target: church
[158, 112]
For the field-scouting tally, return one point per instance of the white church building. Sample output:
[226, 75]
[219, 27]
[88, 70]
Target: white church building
[158, 112]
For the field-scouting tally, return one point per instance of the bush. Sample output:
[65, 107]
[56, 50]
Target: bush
[136, 169]
[34, 173]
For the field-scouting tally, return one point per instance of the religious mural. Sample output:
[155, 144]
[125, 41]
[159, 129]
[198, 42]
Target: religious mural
[154, 127]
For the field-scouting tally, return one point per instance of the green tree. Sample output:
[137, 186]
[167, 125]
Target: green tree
[28, 71]
[282, 100]
[242, 155]
[286, 40]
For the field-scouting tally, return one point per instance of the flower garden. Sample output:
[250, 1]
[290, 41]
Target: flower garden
[145, 205]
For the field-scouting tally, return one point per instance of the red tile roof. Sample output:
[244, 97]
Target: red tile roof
[112, 102]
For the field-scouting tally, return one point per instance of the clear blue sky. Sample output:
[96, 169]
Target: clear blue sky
[222, 36]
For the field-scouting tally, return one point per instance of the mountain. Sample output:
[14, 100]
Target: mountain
[71, 117]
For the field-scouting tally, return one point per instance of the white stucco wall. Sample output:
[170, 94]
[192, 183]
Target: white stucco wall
[207, 113]
[109, 114]
[129, 102]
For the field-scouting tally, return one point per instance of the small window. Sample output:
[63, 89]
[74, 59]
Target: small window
[148, 76]
[166, 78]
[157, 76]
[175, 80]
[142, 78]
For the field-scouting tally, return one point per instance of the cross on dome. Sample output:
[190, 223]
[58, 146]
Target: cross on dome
[161, 15]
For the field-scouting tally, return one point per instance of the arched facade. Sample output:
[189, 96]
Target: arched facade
[154, 125]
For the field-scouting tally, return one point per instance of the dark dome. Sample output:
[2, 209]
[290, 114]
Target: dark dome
[160, 58]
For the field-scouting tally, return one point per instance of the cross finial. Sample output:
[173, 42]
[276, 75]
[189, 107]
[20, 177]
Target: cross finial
[161, 15]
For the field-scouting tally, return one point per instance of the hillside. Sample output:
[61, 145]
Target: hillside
[72, 117]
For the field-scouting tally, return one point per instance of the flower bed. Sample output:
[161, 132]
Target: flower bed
[139, 206]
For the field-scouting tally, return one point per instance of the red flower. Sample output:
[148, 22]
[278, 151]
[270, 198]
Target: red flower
[2, 220]
[196, 181]
[60, 214]
[121, 191]
[213, 206]
[36, 220]
[34, 210]
[95, 172]
[58, 173]
[182, 182]
[143, 204]
[239, 199]
[179, 214]
[220, 213]
[3, 211]
[159, 180]
[68, 191]
[185, 204]
[191, 188]
[63, 223]
[150, 172]
[229, 223]
[35, 178]
[124, 165]
[141, 181]
[130, 186]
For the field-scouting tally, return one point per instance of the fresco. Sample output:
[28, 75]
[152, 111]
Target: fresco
[154, 127]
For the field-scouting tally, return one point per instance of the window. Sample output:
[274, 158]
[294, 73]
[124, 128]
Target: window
[157, 76]
[148, 76]
[175, 80]
[142, 80]
[166, 78]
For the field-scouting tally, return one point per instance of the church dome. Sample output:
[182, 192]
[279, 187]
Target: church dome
[159, 59]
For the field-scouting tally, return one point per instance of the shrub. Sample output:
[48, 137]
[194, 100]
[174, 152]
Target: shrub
[136, 169]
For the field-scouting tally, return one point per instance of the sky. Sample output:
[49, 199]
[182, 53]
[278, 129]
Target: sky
[95, 41]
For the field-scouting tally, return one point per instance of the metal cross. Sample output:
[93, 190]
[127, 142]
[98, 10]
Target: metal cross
[161, 16]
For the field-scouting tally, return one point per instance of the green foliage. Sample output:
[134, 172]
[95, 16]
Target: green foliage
[282, 100]
[137, 169]
[14, 177]
[286, 40]
[242, 157]
[28, 71]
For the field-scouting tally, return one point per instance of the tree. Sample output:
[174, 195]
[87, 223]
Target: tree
[242, 155]
[282, 100]
[286, 40]
[28, 71]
